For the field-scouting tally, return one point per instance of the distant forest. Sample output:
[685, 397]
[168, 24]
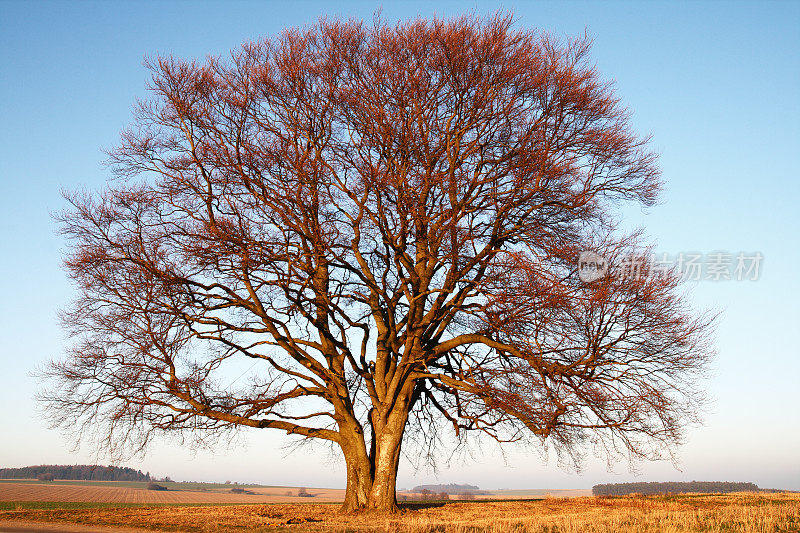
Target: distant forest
[672, 487]
[80, 472]
[450, 488]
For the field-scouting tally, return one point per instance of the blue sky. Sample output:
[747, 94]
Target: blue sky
[716, 84]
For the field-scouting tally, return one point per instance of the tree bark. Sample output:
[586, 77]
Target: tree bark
[383, 496]
[371, 480]
[359, 482]
[372, 475]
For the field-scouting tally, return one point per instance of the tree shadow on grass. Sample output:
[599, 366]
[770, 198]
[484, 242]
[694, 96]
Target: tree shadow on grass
[429, 504]
[417, 505]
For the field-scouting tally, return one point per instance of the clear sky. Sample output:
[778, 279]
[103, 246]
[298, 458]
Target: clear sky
[716, 84]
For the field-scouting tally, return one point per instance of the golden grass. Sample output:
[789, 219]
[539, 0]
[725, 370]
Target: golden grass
[745, 512]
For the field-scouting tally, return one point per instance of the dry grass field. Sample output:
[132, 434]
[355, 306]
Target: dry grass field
[743, 512]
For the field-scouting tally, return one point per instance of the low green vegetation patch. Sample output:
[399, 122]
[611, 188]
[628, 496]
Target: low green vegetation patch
[196, 485]
[169, 485]
[26, 506]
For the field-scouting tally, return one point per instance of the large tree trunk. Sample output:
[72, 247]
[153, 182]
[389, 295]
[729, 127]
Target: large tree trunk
[359, 479]
[386, 460]
[372, 478]
[372, 475]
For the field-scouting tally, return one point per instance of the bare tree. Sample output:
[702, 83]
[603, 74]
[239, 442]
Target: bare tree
[385, 220]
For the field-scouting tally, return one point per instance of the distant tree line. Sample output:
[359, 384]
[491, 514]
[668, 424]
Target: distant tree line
[672, 487]
[424, 495]
[450, 488]
[78, 472]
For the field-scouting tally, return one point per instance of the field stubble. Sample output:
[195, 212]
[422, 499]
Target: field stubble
[748, 512]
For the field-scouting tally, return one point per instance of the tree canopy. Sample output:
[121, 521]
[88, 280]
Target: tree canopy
[386, 220]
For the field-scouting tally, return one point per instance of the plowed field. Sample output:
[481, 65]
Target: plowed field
[37, 491]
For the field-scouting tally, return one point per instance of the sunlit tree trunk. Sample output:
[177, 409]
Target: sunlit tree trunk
[372, 475]
[371, 481]
[387, 458]
[359, 479]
